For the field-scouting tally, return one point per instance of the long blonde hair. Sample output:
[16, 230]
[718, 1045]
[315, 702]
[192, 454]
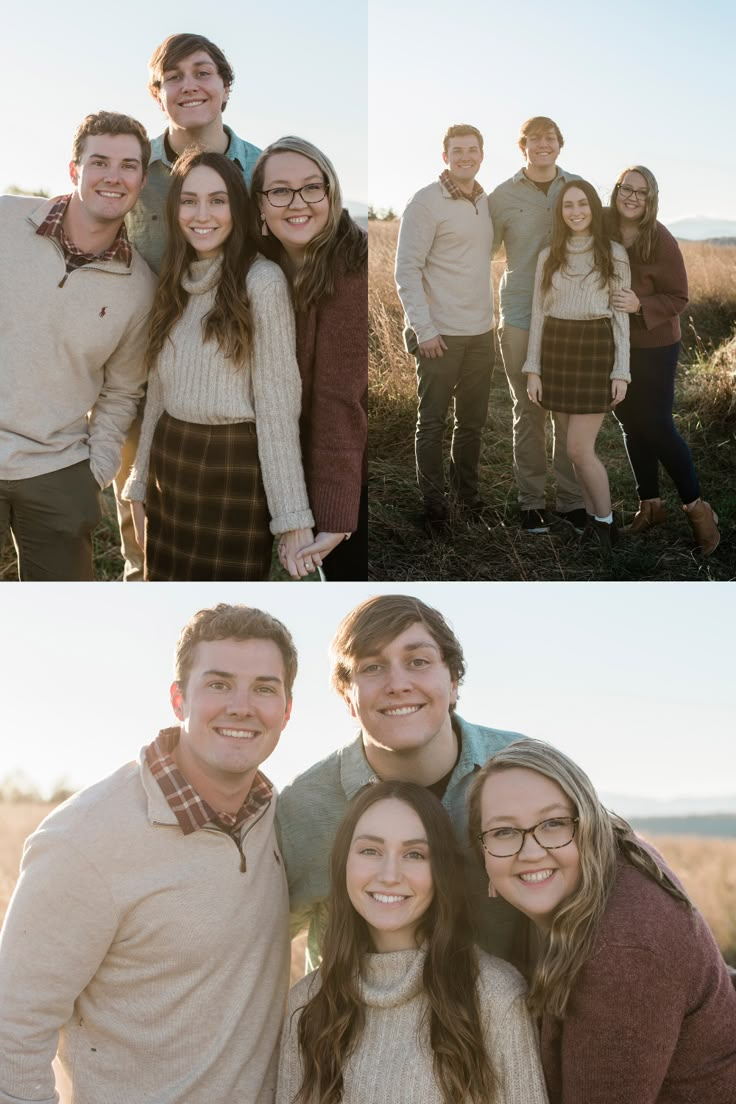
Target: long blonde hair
[602, 838]
[645, 243]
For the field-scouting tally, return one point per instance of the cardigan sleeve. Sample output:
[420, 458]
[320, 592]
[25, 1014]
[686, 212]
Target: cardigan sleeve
[534, 349]
[337, 416]
[59, 926]
[277, 393]
[620, 319]
[135, 485]
[670, 280]
[416, 236]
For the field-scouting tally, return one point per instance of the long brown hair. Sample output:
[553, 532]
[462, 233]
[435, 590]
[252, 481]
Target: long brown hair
[229, 323]
[331, 1022]
[341, 246]
[602, 838]
[602, 255]
[645, 243]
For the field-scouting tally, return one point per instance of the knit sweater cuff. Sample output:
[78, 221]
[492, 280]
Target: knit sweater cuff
[336, 508]
[297, 519]
[134, 489]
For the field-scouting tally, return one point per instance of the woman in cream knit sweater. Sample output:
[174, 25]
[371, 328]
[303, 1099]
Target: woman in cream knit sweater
[219, 460]
[404, 1007]
[578, 356]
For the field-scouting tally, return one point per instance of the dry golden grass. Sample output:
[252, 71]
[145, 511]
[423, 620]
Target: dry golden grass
[495, 549]
[706, 866]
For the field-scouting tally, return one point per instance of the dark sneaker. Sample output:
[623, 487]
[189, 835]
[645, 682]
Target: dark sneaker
[578, 519]
[435, 519]
[607, 534]
[534, 521]
[473, 508]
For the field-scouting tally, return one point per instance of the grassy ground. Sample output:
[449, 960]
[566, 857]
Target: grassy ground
[495, 548]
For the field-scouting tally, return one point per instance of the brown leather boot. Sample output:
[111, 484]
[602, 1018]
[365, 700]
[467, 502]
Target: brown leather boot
[651, 512]
[704, 524]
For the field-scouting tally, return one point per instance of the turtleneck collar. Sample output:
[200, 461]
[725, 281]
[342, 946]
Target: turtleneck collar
[202, 275]
[391, 979]
[580, 245]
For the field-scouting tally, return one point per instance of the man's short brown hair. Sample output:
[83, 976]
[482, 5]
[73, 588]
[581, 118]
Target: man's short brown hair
[110, 122]
[225, 622]
[379, 620]
[538, 124]
[458, 130]
[178, 46]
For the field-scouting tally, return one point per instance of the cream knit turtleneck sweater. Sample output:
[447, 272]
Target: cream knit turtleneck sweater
[193, 381]
[393, 1058]
[576, 294]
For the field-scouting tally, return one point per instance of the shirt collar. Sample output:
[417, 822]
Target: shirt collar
[234, 150]
[456, 192]
[52, 226]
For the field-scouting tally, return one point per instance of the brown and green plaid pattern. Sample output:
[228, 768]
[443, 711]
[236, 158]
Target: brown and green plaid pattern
[191, 810]
[456, 191]
[577, 358]
[207, 516]
[52, 227]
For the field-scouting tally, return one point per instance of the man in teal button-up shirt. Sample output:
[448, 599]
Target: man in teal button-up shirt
[521, 211]
[398, 666]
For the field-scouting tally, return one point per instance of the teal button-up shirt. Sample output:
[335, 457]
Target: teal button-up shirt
[146, 223]
[311, 807]
[522, 222]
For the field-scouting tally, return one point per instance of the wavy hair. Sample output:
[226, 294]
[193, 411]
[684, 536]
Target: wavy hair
[602, 838]
[229, 323]
[332, 1020]
[602, 255]
[646, 239]
[340, 246]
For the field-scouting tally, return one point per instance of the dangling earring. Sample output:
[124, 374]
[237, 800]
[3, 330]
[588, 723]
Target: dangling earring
[264, 228]
[492, 891]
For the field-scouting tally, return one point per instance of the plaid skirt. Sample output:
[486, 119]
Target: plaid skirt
[206, 511]
[577, 358]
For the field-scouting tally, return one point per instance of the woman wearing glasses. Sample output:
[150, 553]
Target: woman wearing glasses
[403, 1007]
[657, 296]
[218, 463]
[634, 997]
[324, 253]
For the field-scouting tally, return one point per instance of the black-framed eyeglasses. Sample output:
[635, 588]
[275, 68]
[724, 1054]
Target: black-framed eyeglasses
[550, 834]
[282, 196]
[626, 192]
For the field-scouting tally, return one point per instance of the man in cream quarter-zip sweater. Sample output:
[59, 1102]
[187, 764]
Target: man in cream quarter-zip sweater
[443, 275]
[74, 305]
[147, 938]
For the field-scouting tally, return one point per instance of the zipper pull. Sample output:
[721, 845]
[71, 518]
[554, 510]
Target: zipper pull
[63, 279]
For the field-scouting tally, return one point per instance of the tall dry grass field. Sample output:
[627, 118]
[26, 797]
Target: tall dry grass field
[494, 548]
[706, 866]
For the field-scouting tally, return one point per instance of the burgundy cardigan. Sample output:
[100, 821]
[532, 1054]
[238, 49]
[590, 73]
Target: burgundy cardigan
[332, 352]
[661, 287]
[652, 1015]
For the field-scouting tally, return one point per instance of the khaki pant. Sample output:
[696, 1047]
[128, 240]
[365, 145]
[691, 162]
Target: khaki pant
[131, 550]
[530, 447]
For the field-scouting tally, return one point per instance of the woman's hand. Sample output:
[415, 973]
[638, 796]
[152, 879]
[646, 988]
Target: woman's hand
[320, 547]
[626, 300]
[290, 545]
[534, 387]
[138, 513]
[618, 391]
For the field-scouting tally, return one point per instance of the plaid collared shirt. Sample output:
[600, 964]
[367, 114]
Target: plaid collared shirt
[456, 191]
[52, 227]
[191, 810]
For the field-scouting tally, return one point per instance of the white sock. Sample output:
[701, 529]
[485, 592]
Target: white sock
[608, 519]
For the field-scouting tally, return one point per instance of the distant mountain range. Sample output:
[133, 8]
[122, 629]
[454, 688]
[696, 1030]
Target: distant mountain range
[358, 211]
[627, 806]
[700, 228]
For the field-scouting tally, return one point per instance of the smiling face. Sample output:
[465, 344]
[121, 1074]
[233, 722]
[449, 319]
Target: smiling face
[192, 93]
[542, 149]
[463, 159]
[632, 208]
[232, 710]
[298, 223]
[402, 694]
[576, 212]
[536, 881]
[388, 873]
[205, 218]
[108, 176]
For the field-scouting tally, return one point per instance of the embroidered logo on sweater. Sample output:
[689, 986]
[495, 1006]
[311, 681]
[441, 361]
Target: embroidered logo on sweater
[103, 312]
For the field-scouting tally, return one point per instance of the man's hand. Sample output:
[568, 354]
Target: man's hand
[433, 348]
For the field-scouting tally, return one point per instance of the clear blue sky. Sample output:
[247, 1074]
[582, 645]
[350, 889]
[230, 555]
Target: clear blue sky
[630, 81]
[298, 70]
[633, 680]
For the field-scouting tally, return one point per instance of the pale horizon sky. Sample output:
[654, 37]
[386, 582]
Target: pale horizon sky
[296, 72]
[632, 680]
[630, 82]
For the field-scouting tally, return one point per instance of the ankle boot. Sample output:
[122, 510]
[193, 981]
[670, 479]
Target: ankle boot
[704, 524]
[649, 514]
